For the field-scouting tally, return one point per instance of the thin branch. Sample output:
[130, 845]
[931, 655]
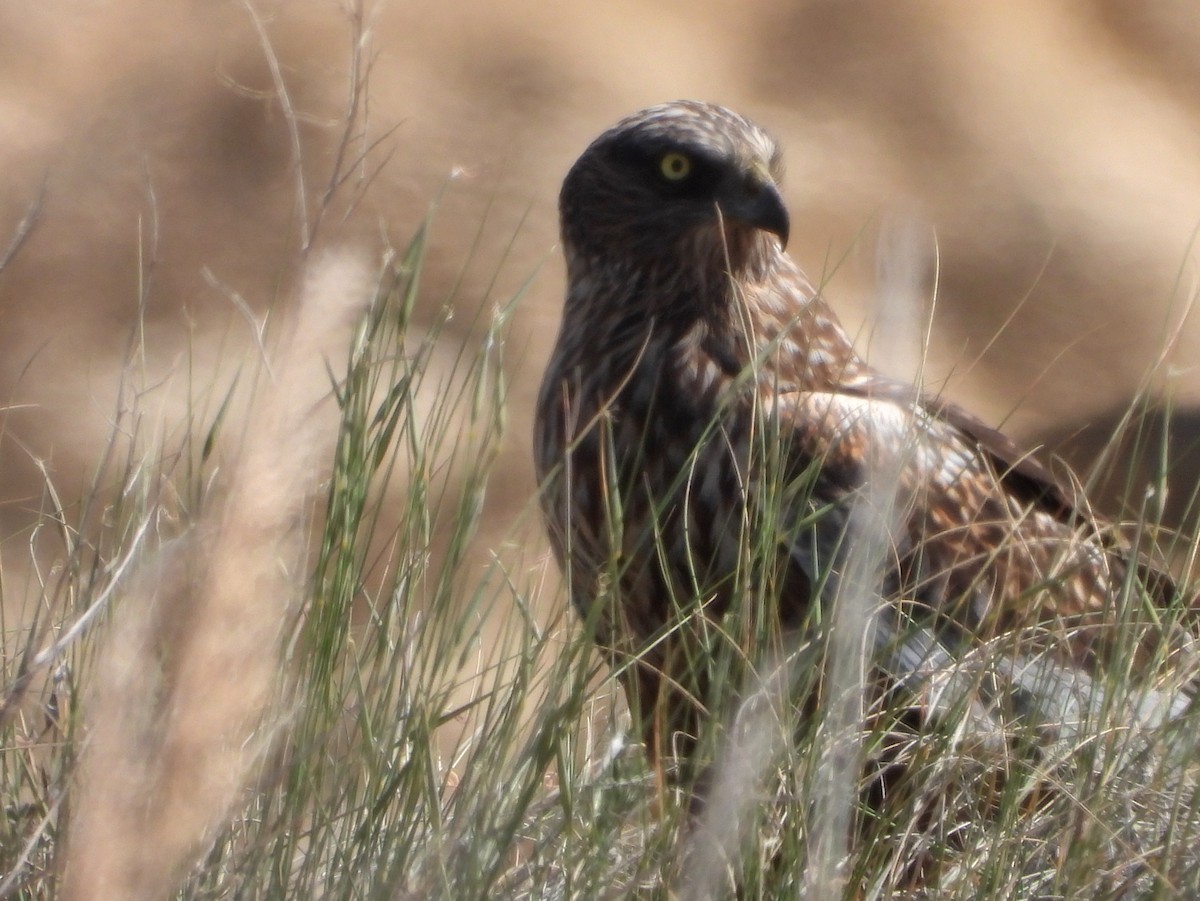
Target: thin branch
[257, 328]
[24, 227]
[51, 653]
[359, 36]
[289, 115]
[10, 885]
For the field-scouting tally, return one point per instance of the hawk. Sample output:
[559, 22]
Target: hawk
[701, 388]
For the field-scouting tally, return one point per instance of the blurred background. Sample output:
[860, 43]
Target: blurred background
[1047, 152]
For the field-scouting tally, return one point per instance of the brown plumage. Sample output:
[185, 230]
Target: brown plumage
[696, 365]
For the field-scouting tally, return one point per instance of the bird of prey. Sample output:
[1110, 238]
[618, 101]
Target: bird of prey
[701, 387]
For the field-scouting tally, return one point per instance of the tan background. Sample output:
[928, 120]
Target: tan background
[1049, 152]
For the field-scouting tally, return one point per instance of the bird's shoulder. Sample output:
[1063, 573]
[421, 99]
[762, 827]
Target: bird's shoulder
[869, 422]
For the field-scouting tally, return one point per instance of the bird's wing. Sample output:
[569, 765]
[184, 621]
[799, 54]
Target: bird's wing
[1021, 473]
[1025, 477]
[981, 538]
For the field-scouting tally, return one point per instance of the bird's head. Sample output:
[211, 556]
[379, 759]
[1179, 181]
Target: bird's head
[671, 183]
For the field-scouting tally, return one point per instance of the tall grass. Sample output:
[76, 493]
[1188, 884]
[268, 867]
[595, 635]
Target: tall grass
[365, 714]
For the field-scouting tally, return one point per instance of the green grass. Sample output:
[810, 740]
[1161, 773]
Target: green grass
[429, 730]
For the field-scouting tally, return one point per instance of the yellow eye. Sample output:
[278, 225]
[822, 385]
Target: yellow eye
[674, 166]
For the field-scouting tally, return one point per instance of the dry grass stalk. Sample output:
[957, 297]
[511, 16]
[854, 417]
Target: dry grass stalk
[181, 710]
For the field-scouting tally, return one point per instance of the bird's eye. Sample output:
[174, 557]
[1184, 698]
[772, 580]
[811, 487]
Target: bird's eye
[674, 166]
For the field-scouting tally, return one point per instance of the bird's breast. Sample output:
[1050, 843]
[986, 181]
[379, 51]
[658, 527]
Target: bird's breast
[639, 466]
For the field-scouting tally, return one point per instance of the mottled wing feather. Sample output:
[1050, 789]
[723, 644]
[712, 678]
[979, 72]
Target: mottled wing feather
[980, 557]
[1021, 472]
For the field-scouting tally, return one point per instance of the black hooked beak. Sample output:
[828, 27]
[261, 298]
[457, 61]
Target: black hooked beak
[755, 200]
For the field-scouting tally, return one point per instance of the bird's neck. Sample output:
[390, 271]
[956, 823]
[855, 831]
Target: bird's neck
[799, 340]
[618, 297]
[752, 309]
